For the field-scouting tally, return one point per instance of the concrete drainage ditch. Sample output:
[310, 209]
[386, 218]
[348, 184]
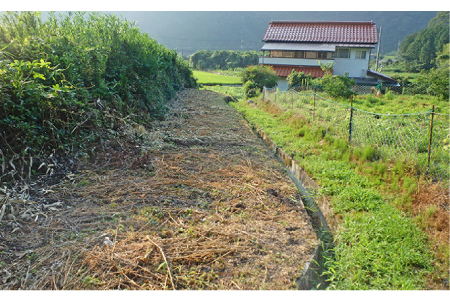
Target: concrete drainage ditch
[318, 208]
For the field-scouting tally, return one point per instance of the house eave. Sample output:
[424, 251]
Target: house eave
[382, 77]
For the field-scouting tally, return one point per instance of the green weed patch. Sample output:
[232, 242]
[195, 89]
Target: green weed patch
[377, 246]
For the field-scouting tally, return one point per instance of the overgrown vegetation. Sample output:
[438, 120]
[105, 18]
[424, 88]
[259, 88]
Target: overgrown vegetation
[298, 80]
[367, 255]
[255, 78]
[381, 204]
[60, 78]
[418, 50]
[337, 86]
[422, 59]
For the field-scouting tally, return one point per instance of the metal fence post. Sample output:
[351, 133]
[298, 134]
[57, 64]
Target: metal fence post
[351, 121]
[431, 137]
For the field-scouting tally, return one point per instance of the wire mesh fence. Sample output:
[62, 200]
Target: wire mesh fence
[420, 138]
[408, 89]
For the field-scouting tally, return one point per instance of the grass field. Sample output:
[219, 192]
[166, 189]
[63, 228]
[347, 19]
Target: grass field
[393, 231]
[212, 78]
[378, 244]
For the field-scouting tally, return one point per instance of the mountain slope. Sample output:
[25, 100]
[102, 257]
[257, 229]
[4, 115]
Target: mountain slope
[189, 31]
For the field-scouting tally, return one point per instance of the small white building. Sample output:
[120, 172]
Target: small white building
[301, 45]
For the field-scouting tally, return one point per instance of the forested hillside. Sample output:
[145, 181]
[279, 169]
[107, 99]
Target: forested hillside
[419, 50]
[188, 31]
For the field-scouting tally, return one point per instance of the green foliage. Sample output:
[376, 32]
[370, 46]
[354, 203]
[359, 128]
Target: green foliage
[327, 68]
[262, 76]
[38, 109]
[436, 80]
[52, 73]
[370, 154]
[233, 91]
[298, 80]
[378, 251]
[418, 50]
[222, 59]
[338, 86]
[356, 198]
[250, 89]
[376, 246]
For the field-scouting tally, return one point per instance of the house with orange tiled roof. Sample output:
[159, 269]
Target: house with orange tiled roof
[303, 45]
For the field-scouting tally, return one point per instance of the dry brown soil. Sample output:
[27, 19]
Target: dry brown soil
[197, 202]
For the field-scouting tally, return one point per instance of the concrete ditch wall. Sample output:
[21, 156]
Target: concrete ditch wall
[322, 213]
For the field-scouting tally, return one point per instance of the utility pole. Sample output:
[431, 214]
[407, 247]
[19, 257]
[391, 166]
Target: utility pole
[241, 43]
[378, 50]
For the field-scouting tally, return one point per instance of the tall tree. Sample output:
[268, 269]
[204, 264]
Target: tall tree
[418, 50]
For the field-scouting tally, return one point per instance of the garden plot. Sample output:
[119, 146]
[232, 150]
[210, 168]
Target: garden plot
[196, 203]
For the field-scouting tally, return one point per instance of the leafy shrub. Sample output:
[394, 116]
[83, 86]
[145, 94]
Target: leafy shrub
[54, 73]
[250, 89]
[262, 76]
[298, 79]
[338, 86]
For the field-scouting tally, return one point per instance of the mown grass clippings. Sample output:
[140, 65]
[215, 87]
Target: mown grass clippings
[216, 212]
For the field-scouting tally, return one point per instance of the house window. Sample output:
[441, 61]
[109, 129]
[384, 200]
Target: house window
[275, 53]
[310, 54]
[299, 54]
[321, 54]
[360, 54]
[342, 53]
[288, 54]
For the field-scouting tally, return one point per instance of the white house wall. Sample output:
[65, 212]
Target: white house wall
[282, 84]
[354, 67]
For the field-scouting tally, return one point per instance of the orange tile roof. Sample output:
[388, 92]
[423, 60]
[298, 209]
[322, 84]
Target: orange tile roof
[284, 70]
[321, 32]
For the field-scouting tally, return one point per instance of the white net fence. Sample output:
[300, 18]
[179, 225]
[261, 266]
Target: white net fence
[393, 136]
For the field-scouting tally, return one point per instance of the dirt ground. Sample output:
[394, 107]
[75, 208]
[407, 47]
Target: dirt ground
[197, 202]
[431, 211]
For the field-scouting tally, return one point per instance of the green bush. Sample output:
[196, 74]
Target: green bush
[54, 74]
[298, 79]
[338, 86]
[262, 76]
[250, 89]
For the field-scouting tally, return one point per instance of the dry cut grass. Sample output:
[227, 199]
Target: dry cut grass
[205, 207]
